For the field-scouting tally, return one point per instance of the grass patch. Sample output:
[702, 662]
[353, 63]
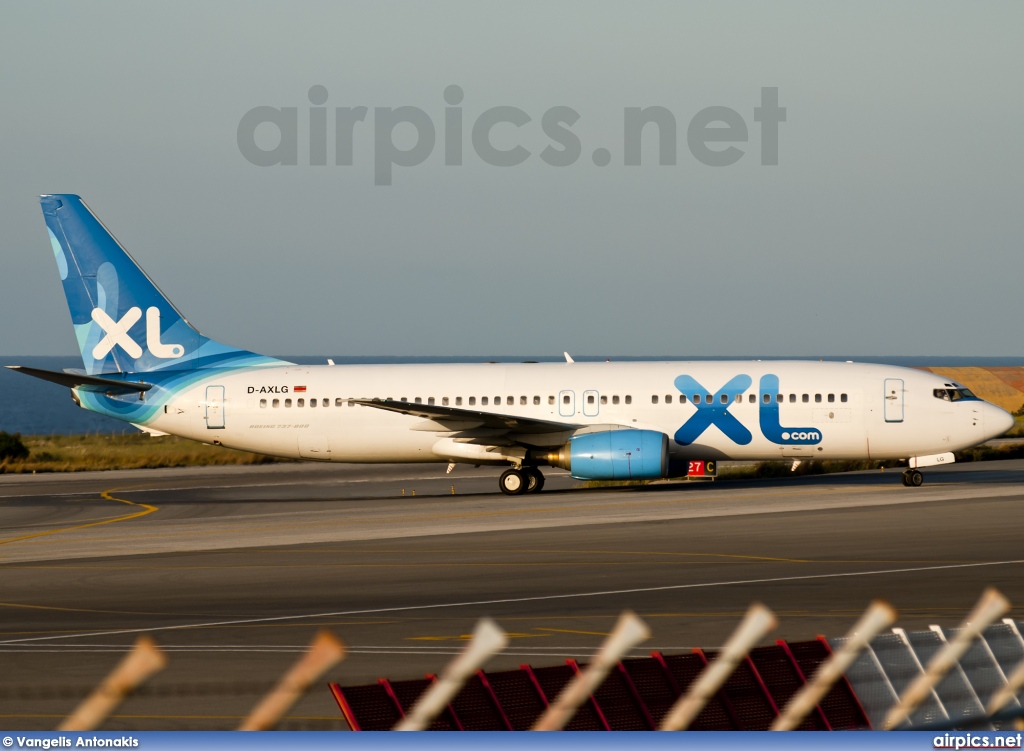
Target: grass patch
[79, 453]
[1017, 430]
[614, 483]
[770, 469]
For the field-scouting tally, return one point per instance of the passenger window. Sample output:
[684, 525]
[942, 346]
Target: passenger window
[565, 399]
[444, 401]
[472, 401]
[831, 398]
[458, 401]
[430, 400]
[590, 398]
[604, 400]
[325, 402]
[842, 398]
[287, 402]
[536, 401]
[418, 400]
[654, 399]
[300, 403]
[351, 402]
[277, 403]
[739, 398]
[708, 398]
[522, 400]
[510, 400]
[668, 398]
[724, 398]
[312, 402]
[615, 399]
[263, 403]
[766, 398]
[792, 398]
[696, 398]
[805, 398]
[752, 398]
[778, 398]
[338, 402]
[551, 399]
[629, 399]
[497, 401]
[817, 398]
[483, 401]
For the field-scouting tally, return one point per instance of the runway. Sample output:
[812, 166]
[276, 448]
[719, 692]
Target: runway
[233, 570]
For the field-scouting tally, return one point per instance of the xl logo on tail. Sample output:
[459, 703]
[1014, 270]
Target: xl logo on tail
[117, 335]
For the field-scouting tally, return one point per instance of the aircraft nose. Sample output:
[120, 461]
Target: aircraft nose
[997, 420]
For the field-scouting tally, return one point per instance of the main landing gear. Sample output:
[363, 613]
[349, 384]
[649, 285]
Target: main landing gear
[912, 478]
[519, 481]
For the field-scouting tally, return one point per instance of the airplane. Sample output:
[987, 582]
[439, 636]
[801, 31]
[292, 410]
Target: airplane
[145, 364]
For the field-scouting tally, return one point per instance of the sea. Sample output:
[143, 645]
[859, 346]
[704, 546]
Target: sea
[33, 407]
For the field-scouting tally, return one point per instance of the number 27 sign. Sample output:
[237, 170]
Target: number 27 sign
[702, 469]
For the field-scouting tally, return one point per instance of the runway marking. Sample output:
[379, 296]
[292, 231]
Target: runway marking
[511, 600]
[571, 631]
[106, 495]
[492, 551]
[23, 606]
[466, 637]
[192, 532]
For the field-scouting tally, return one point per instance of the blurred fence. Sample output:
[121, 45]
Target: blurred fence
[970, 677]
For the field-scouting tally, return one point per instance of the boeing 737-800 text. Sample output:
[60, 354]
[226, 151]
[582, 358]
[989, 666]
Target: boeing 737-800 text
[145, 364]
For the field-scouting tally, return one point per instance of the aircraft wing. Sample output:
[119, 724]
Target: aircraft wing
[455, 419]
[74, 380]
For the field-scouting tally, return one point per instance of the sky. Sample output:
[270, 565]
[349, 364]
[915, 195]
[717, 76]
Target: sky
[890, 225]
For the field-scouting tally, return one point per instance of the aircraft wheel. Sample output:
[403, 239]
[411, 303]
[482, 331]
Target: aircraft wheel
[513, 482]
[534, 480]
[912, 478]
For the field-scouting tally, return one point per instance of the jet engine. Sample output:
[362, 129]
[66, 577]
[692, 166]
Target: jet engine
[613, 455]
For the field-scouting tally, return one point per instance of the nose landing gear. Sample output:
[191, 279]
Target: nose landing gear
[518, 481]
[912, 478]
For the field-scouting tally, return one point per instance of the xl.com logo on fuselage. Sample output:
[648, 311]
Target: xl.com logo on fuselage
[804, 435]
[715, 411]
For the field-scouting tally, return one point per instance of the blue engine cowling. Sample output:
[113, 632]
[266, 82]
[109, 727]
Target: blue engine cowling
[618, 455]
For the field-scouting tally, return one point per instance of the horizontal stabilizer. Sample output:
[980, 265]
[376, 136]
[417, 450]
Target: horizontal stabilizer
[74, 380]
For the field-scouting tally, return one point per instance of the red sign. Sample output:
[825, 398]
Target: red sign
[700, 468]
[299, 389]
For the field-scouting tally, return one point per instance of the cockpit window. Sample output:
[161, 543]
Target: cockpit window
[953, 395]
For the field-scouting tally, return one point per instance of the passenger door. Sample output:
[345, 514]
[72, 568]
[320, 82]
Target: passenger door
[591, 403]
[214, 407]
[894, 400]
[567, 403]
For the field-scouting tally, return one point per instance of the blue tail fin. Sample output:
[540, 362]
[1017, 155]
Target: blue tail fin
[123, 323]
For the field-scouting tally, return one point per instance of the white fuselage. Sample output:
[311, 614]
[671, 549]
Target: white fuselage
[845, 410]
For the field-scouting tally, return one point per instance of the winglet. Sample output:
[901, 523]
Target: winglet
[568, 358]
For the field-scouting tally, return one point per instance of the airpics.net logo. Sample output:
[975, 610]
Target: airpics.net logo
[269, 136]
